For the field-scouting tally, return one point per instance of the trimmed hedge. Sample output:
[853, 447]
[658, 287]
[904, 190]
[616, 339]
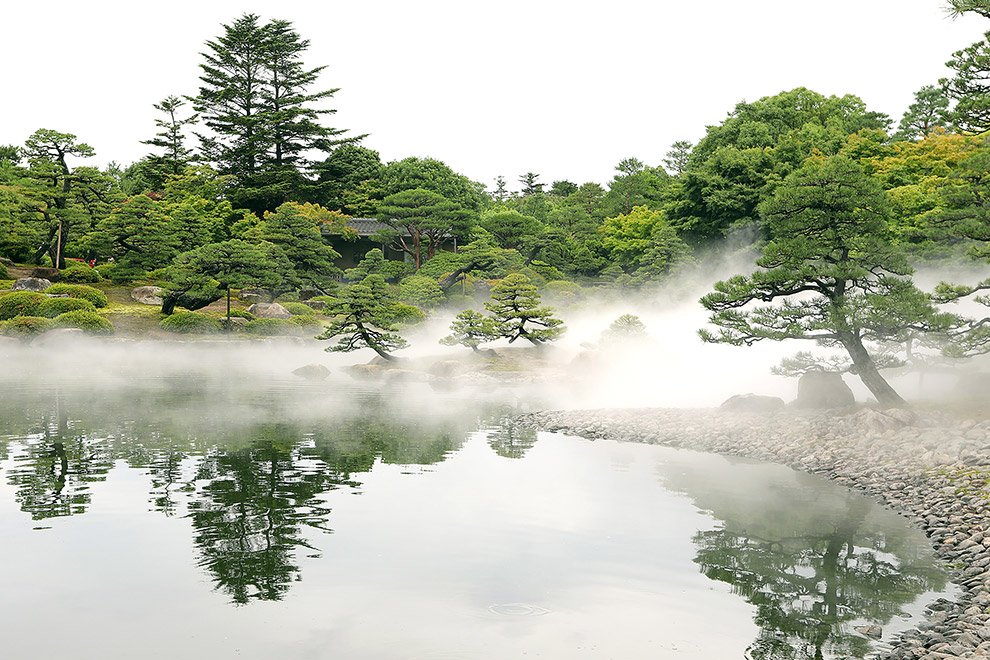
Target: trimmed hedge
[298, 308]
[89, 322]
[52, 307]
[21, 303]
[407, 314]
[95, 296]
[190, 323]
[270, 327]
[80, 273]
[3, 272]
[25, 326]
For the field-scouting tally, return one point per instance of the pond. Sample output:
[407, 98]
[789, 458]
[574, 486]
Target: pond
[205, 503]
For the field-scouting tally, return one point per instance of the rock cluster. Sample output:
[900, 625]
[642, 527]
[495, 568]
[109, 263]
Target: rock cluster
[933, 468]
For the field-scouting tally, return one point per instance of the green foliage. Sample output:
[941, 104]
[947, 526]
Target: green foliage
[89, 322]
[25, 326]
[419, 219]
[21, 303]
[515, 308]
[95, 296]
[967, 87]
[365, 315]
[563, 293]
[52, 307]
[270, 327]
[298, 308]
[407, 314]
[241, 313]
[308, 322]
[421, 291]
[78, 273]
[471, 329]
[626, 329]
[829, 273]
[191, 323]
[3, 272]
[509, 227]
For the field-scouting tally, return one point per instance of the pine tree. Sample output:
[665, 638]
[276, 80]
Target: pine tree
[171, 139]
[515, 307]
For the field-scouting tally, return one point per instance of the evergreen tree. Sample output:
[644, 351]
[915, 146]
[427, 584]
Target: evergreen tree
[515, 307]
[254, 97]
[471, 329]
[530, 184]
[171, 139]
[929, 110]
[364, 319]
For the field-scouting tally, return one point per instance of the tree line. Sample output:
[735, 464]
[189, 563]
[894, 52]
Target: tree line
[248, 186]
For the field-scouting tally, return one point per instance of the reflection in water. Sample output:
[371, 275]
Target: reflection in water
[810, 577]
[248, 483]
[554, 543]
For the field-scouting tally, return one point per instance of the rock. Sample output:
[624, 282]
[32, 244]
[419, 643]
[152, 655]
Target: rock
[31, 284]
[446, 368]
[875, 420]
[6, 262]
[823, 389]
[312, 372]
[318, 305]
[253, 295]
[233, 322]
[366, 371]
[47, 273]
[148, 295]
[57, 336]
[757, 403]
[269, 311]
[872, 631]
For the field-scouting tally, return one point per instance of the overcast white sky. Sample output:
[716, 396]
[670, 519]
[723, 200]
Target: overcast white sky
[562, 88]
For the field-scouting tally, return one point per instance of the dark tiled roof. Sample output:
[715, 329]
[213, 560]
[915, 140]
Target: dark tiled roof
[366, 226]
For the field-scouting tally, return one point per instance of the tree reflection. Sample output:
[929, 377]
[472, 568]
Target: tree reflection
[813, 563]
[52, 474]
[511, 441]
[250, 514]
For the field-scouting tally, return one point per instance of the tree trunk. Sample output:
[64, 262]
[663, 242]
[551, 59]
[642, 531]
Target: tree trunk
[867, 371]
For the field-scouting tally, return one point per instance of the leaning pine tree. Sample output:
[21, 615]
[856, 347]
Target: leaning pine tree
[828, 272]
[364, 319]
[516, 312]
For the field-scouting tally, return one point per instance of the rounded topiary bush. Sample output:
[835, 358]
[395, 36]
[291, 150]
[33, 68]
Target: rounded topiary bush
[407, 314]
[270, 327]
[298, 308]
[80, 273]
[21, 303]
[307, 323]
[52, 307]
[242, 313]
[190, 323]
[25, 326]
[89, 322]
[3, 272]
[95, 296]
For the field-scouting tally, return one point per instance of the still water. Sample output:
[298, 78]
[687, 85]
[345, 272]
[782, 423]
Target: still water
[215, 506]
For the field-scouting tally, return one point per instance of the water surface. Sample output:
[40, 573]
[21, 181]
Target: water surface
[160, 507]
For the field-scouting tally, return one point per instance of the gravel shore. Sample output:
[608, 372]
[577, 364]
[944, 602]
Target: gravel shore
[931, 467]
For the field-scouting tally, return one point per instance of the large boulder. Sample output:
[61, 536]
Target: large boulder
[148, 295]
[52, 274]
[823, 389]
[269, 311]
[253, 295]
[31, 284]
[756, 403]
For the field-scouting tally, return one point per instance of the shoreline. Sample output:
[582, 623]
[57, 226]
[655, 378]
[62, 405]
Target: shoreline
[931, 467]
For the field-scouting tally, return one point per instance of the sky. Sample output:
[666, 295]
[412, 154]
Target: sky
[565, 89]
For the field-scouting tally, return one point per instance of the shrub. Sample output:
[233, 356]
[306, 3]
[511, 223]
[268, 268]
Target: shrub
[329, 300]
[25, 326]
[242, 313]
[89, 322]
[3, 272]
[421, 291]
[407, 314]
[52, 307]
[306, 321]
[298, 309]
[95, 296]
[190, 323]
[78, 272]
[270, 327]
[20, 303]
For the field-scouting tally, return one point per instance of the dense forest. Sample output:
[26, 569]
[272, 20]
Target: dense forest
[247, 186]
